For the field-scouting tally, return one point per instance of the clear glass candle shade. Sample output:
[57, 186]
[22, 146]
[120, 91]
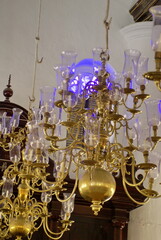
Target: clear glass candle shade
[29, 153]
[154, 157]
[90, 139]
[36, 114]
[91, 130]
[99, 53]
[47, 98]
[59, 77]
[68, 58]
[68, 206]
[70, 100]
[117, 77]
[132, 131]
[131, 63]
[37, 144]
[32, 126]
[153, 112]
[71, 90]
[115, 93]
[143, 139]
[46, 197]
[15, 117]
[156, 30]
[63, 214]
[55, 115]
[7, 189]
[15, 154]
[142, 68]
[6, 124]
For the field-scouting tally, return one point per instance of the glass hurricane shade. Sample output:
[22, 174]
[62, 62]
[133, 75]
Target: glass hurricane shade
[156, 30]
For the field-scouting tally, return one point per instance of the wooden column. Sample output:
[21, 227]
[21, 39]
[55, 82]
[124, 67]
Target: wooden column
[118, 229]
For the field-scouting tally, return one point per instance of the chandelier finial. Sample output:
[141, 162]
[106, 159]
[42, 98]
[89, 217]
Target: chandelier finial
[8, 92]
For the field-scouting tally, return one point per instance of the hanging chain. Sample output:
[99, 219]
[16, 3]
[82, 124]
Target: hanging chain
[107, 23]
[37, 61]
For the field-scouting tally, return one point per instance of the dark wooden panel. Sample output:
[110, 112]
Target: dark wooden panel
[140, 11]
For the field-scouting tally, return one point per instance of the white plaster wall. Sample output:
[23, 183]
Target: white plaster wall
[65, 25]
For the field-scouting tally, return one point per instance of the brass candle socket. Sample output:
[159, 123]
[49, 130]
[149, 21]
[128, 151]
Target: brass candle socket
[155, 75]
[155, 138]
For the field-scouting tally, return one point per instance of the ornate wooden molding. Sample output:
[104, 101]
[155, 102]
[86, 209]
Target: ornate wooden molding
[140, 10]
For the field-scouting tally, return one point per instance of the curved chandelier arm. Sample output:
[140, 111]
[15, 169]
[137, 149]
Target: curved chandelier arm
[76, 110]
[139, 105]
[134, 184]
[158, 84]
[44, 190]
[39, 226]
[7, 201]
[127, 135]
[4, 233]
[132, 116]
[58, 183]
[56, 148]
[75, 138]
[49, 233]
[9, 170]
[14, 139]
[70, 146]
[127, 108]
[135, 201]
[74, 189]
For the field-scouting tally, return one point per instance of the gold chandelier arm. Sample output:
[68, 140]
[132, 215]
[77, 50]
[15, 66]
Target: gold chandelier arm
[124, 103]
[53, 143]
[73, 191]
[135, 201]
[77, 132]
[134, 107]
[127, 135]
[4, 233]
[138, 106]
[158, 84]
[37, 228]
[8, 201]
[132, 116]
[15, 138]
[8, 170]
[44, 190]
[70, 146]
[49, 233]
[55, 148]
[134, 184]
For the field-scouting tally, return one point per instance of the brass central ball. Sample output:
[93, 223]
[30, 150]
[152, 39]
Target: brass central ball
[97, 185]
[19, 226]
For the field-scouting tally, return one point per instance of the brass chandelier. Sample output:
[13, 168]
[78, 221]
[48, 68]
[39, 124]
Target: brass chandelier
[97, 114]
